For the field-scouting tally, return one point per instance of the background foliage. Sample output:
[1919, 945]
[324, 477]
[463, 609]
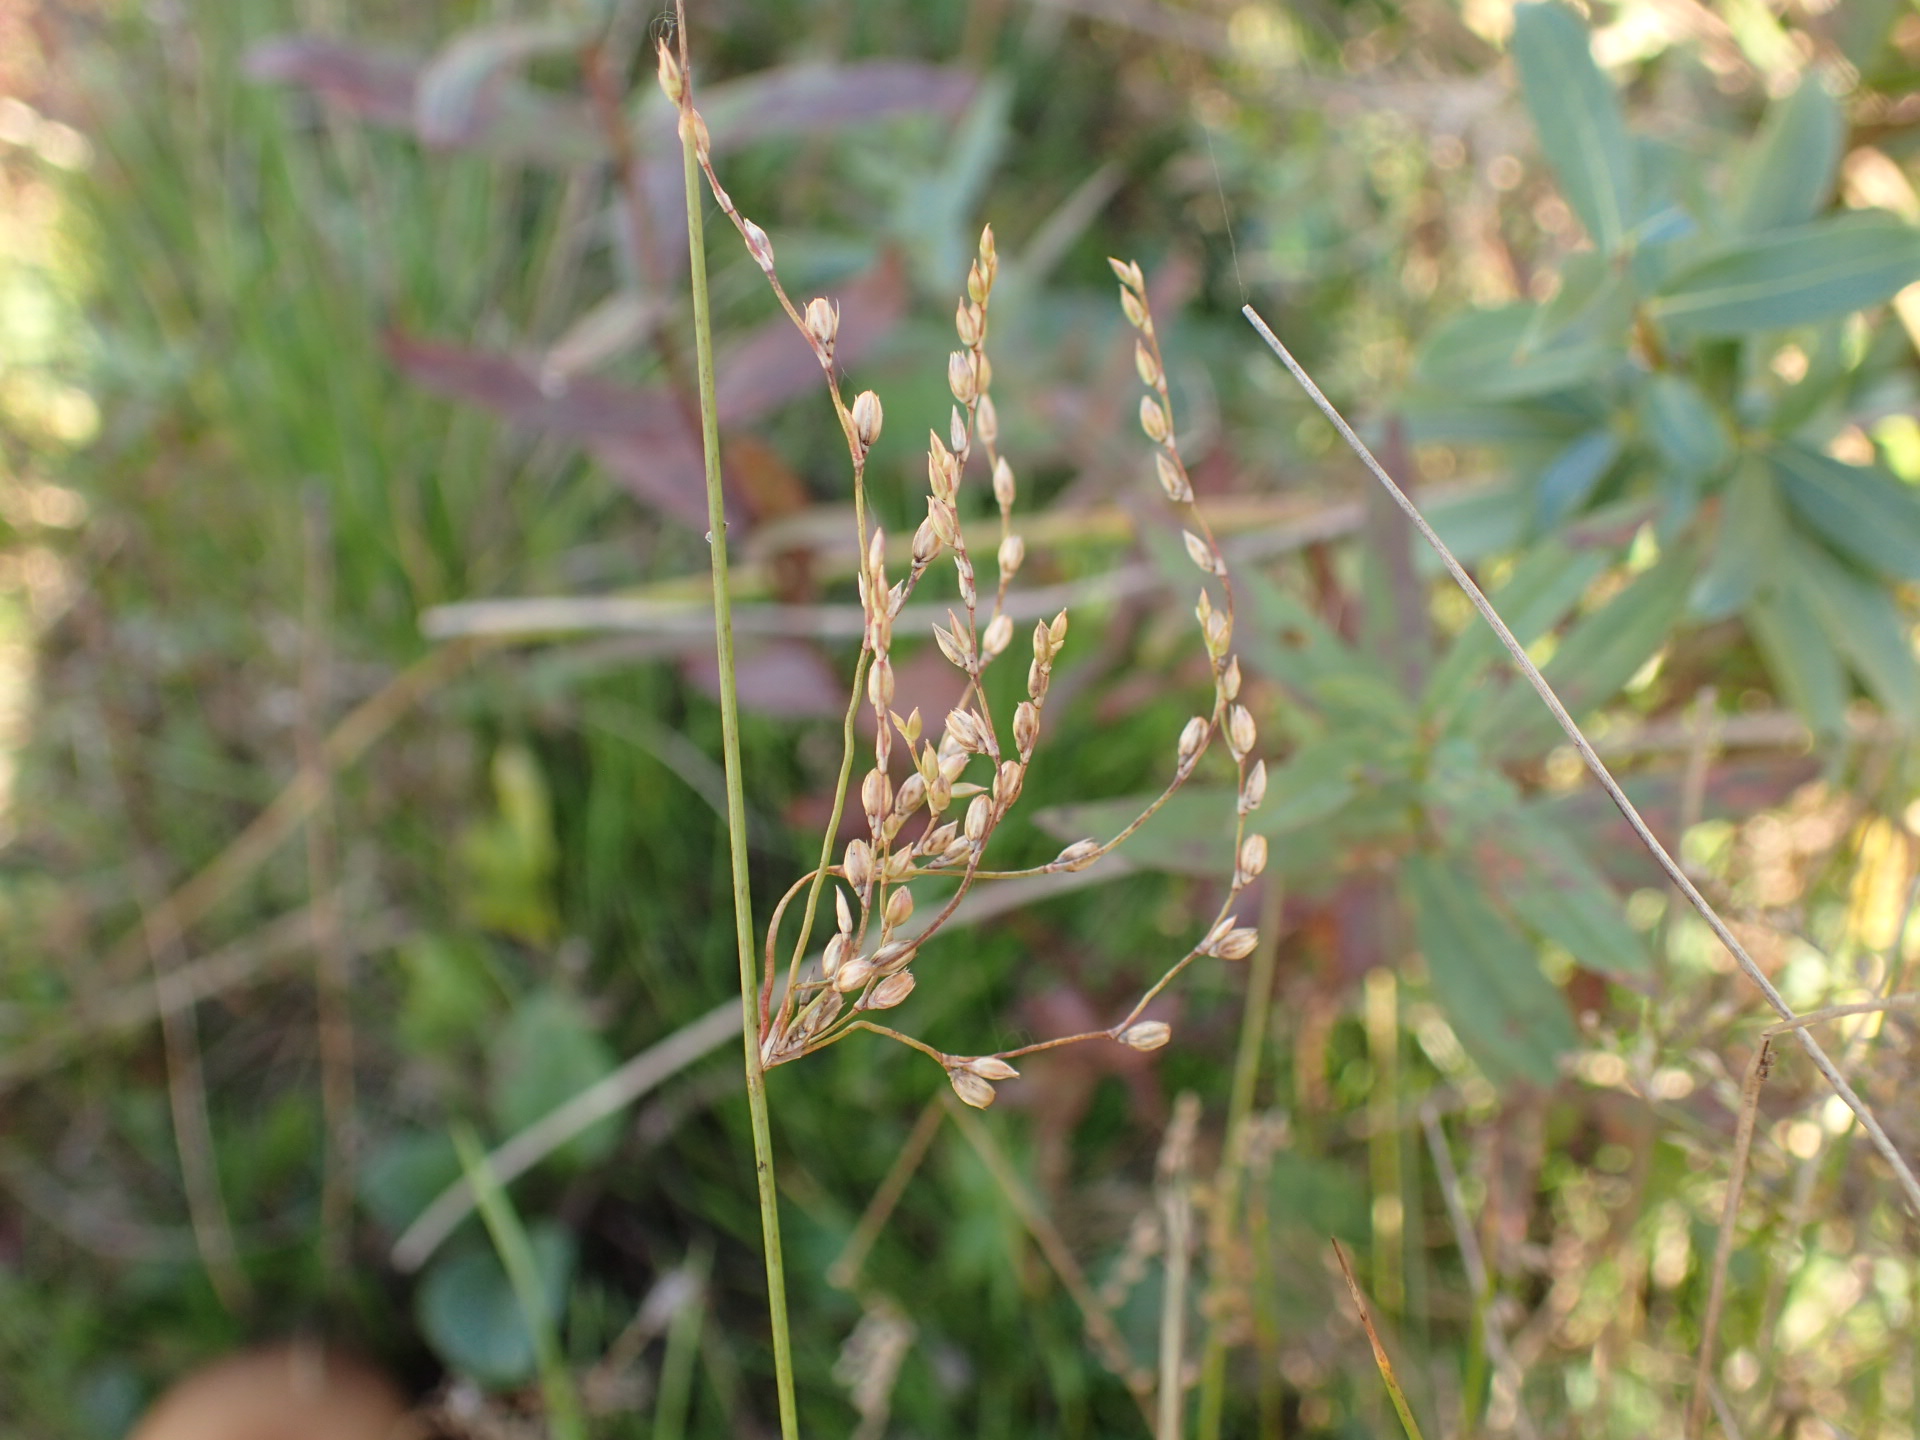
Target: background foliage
[335, 332]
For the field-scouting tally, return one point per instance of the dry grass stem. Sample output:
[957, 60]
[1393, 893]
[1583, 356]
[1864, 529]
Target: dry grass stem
[1106, 1337]
[1380, 1358]
[251, 848]
[1175, 1185]
[1902, 1171]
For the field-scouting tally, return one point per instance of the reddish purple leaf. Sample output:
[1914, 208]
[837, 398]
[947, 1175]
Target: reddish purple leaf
[503, 117]
[641, 436]
[375, 84]
[775, 364]
[808, 99]
[785, 678]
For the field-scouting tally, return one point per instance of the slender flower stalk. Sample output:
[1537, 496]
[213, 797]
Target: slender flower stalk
[692, 142]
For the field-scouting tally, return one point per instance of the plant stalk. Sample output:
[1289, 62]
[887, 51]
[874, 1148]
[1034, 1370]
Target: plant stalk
[1233, 1158]
[736, 802]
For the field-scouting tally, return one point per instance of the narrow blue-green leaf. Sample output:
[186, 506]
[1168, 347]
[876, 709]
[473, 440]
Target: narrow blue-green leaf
[1802, 662]
[1571, 477]
[1871, 515]
[1477, 524]
[470, 1315]
[1863, 622]
[1791, 277]
[1549, 883]
[1541, 591]
[1786, 175]
[1598, 656]
[1686, 431]
[1486, 976]
[1486, 354]
[1578, 115]
[1748, 546]
[1436, 417]
[545, 1054]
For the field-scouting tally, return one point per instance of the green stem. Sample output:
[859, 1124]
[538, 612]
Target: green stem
[523, 1274]
[1226, 1189]
[737, 804]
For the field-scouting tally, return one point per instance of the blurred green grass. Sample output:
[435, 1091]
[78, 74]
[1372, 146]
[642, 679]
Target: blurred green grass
[240, 251]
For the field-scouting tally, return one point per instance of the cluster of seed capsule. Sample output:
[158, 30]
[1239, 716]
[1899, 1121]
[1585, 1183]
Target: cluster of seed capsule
[866, 964]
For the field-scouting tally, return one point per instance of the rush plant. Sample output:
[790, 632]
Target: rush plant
[932, 828]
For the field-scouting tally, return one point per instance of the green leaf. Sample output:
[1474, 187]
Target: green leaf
[470, 1315]
[1866, 512]
[1797, 655]
[1786, 175]
[1791, 277]
[1685, 430]
[544, 1056]
[404, 1173]
[1863, 623]
[1540, 592]
[1577, 113]
[1549, 883]
[1192, 834]
[1487, 354]
[1509, 1016]
[1441, 418]
[1600, 654]
[1748, 546]
[1571, 477]
[1477, 524]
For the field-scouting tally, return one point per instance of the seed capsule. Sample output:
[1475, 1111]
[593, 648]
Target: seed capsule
[891, 991]
[1078, 855]
[1255, 789]
[971, 1089]
[979, 812]
[852, 975]
[986, 420]
[1013, 553]
[1192, 737]
[1003, 482]
[1253, 857]
[1147, 1035]
[823, 325]
[1026, 727]
[672, 82]
[867, 419]
[880, 683]
[1237, 944]
[989, 1067]
[1242, 734]
[998, 634]
[1153, 420]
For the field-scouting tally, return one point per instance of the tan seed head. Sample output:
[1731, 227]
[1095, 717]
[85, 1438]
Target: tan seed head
[672, 83]
[986, 419]
[1147, 1035]
[891, 991]
[963, 380]
[1003, 484]
[979, 812]
[1153, 420]
[1013, 550]
[1255, 790]
[868, 416]
[1173, 482]
[823, 325]
[971, 1089]
[1237, 944]
[999, 633]
[1026, 727]
[1253, 857]
[899, 909]
[880, 684]
[1078, 855]
[1192, 737]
